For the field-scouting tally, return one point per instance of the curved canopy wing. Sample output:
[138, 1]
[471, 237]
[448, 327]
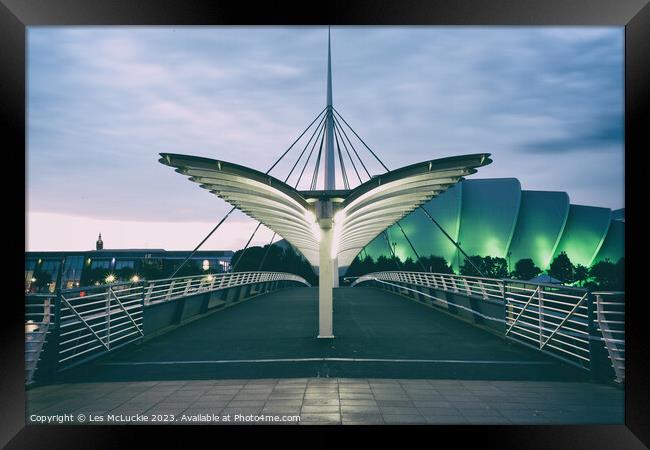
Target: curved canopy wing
[364, 212]
[385, 199]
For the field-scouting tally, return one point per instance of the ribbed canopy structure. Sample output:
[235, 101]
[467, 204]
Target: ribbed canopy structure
[360, 214]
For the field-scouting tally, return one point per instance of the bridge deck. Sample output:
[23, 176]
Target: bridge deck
[469, 375]
[378, 334]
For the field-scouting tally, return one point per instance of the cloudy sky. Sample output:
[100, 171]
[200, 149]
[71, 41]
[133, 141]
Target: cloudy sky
[547, 103]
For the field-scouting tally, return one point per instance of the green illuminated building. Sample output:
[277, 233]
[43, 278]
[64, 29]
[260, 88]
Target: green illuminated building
[495, 217]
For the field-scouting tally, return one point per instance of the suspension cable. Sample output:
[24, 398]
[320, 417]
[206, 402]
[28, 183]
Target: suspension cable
[314, 178]
[412, 247]
[322, 130]
[422, 208]
[294, 142]
[337, 132]
[193, 252]
[362, 141]
[346, 184]
[304, 149]
[246, 247]
[202, 242]
[467, 258]
[392, 251]
[259, 269]
[352, 146]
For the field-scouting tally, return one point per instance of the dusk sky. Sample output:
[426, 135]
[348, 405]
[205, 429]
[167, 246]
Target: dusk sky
[103, 102]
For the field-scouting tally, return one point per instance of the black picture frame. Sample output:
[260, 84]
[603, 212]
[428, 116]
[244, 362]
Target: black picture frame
[16, 15]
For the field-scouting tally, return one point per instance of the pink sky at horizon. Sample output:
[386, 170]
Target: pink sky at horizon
[76, 233]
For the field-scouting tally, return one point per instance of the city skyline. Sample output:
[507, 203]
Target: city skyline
[104, 101]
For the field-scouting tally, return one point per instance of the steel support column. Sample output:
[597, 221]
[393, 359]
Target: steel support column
[325, 280]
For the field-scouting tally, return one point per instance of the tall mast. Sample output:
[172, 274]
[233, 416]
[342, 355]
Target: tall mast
[330, 179]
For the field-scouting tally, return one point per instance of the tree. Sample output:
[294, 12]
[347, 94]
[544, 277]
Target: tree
[495, 267]
[436, 264]
[562, 269]
[525, 269]
[609, 276]
[277, 260]
[411, 266]
[469, 269]
[580, 274]
[490, 267]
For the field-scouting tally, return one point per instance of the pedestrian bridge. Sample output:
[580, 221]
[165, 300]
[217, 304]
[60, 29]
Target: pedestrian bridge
[264, 324]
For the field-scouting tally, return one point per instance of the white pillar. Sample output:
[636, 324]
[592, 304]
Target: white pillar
[335, 272]
[325, 280]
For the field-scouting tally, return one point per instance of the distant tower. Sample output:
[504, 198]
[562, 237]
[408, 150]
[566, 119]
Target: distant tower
[99, 245]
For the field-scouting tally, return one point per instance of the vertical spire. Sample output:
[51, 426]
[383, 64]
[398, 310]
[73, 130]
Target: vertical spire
[330, 176]
[329, 70]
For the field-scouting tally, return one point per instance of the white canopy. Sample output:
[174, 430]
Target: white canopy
[360, 214]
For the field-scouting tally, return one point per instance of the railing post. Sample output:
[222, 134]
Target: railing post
[601, 367]
[483, 291]
[507, 311]
[540, 319]
[108, 317]
[169, 291]
[47, 367]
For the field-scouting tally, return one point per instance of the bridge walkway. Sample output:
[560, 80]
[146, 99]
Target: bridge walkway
[378, 335]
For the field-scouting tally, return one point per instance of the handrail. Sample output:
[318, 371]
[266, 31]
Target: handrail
[567, 322]
[92, 320]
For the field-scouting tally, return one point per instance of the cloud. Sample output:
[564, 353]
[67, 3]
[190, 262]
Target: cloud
[604, 134]
[103, 102]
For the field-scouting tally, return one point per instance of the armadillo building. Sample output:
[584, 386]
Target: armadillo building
[495, 217]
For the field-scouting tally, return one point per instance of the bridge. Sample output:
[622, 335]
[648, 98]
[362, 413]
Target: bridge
[411, 347]
[387, 347]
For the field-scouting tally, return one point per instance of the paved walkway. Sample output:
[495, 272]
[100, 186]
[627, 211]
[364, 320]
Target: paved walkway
[333, 401]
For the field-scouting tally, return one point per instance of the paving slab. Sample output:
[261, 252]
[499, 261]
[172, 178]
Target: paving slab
[581, 405]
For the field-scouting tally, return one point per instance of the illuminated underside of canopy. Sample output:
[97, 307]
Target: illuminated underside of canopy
[359, 214]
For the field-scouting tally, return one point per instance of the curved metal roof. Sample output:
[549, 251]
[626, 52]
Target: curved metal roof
[363, 213]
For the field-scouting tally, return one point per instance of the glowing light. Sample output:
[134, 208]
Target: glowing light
[110, 278]
[209, 278]
[206, 264]
[31, 327]
[33, 280]
[135, 278]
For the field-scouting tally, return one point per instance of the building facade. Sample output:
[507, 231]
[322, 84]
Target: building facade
[46, 271]
[495, 217]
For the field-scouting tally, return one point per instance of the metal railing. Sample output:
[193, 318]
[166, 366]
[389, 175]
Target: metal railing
[550, 318]
[98, 319]
[89, 321]
[553, 319]
[39, 316]
[480, 287]
[172, 288]
[609, 320]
